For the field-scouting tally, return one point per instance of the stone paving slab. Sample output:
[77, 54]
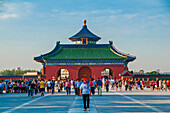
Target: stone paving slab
[77, 106]
[110, 102]
[121, 102]
[57, 103]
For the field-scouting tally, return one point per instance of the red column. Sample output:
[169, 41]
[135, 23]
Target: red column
[43, 70]
[126, 68]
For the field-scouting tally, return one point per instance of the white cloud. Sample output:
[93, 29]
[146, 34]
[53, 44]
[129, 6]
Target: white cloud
[129, 16]
[5, 16]
[15, 10]
[106, 11]
[85, 13]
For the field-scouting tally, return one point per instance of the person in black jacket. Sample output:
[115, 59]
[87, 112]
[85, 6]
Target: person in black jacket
[32, 88]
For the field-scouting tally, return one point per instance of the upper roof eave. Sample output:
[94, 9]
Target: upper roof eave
[84, 33]
[89, 38]
[129, 57]
[40, 58]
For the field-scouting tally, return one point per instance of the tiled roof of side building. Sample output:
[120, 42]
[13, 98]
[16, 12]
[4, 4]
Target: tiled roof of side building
[84, 53]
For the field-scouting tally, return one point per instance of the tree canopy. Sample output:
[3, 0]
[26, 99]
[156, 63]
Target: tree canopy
[8, 72]
[153, 73]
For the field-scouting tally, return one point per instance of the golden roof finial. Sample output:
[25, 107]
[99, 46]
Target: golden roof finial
[84, 22]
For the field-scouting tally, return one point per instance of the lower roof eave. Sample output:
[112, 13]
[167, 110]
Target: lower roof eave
[85, 59]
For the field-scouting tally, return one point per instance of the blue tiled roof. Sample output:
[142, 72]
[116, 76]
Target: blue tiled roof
[85, 46]
[85, 33]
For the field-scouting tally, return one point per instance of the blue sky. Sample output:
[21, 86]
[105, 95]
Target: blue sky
[29, 28]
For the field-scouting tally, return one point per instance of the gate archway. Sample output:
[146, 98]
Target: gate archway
[107, 73]
[84, 72]
[62, 74]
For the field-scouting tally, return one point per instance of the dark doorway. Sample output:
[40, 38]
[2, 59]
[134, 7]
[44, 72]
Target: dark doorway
[84, 72]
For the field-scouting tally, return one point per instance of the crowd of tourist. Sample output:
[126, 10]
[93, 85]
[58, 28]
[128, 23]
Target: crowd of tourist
[34, 86]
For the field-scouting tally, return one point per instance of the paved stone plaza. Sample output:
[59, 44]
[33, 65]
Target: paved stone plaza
[111, 102]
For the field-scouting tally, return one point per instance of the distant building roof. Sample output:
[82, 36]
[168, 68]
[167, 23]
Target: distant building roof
[31, 73]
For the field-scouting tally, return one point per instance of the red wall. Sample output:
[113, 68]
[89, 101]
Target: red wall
[51, 70]
[19, 77]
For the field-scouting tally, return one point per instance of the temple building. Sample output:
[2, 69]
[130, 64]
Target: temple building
[84, 58]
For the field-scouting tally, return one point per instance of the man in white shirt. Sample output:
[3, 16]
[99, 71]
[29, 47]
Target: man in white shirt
[86, 92]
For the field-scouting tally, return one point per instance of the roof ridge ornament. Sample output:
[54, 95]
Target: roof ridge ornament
[84, 22]
[58, 42]
[111, 42]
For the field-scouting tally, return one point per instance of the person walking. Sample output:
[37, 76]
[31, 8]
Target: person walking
[49, 86]
[6, 87]
[99, 86]
[130, 84]
[52, 86]
[42, 87]
[120, 84]
[32, 88]
[160, 85]
[1, 87]
[91, 84]
[93, 87]
[126, 85]
[86, 92]
[75, 87]
[116, 85]
[112, 84]
[107, 85]
[29, 87]
[36, 88]
[68, 87]
[164, 85]
[168, 85]
[78, 87]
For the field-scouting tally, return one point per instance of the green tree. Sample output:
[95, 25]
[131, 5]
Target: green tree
[8, 72]
[153, 73]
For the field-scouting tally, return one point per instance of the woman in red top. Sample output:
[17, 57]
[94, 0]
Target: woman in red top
[168, 84]
[69, 87]
[107, 85]
[91, 83]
